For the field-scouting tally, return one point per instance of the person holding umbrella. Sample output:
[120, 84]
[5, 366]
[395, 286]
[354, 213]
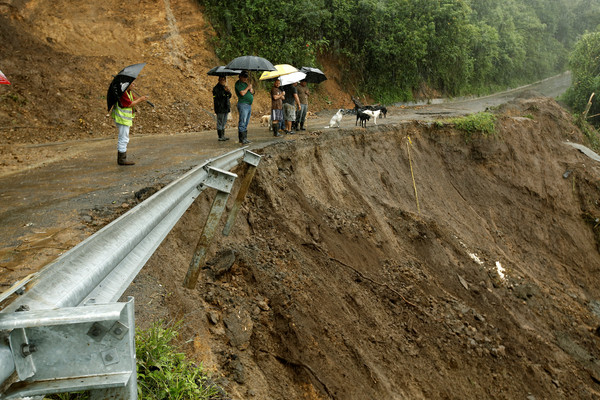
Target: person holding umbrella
[303, 94]
[221, 96]
[291, 103]
[121, 100]
[245, 94]
[123, 113]
[277, 96]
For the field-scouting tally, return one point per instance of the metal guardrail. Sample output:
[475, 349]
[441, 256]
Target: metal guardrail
[73, 296]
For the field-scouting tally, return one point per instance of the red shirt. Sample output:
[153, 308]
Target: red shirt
[124, 101]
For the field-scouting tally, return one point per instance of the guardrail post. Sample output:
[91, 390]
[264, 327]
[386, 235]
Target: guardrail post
[222, 181]
[252, 159]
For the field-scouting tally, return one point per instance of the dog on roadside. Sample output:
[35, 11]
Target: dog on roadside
[336, 119]
[265, 120]
[362, 116]
[373, 114]
[383, 110]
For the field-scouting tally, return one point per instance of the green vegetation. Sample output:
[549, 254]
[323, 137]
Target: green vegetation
[15, 97]
[162, 371]
[590, 132]
[391, 48]
[585, 67]
[483, 122]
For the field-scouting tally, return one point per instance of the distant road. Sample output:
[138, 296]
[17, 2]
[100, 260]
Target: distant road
[550, 87]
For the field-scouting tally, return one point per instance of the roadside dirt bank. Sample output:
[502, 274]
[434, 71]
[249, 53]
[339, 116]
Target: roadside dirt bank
[336, 284]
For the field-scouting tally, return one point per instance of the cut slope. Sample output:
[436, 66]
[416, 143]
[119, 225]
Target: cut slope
[340, 287]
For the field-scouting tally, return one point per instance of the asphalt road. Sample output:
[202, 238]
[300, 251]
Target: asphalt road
[40, 199]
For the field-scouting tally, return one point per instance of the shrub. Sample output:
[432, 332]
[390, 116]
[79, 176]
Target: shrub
[163, 372]
[483, 122]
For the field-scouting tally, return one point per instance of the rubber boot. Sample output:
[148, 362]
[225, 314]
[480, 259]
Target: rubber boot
[302, 126]
[276, 130]
[245, 138]
[122, 159]
[222, 137]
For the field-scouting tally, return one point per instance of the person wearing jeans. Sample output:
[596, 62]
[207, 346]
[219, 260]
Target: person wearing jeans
[303, 94]
[221, 95]
[245, 95]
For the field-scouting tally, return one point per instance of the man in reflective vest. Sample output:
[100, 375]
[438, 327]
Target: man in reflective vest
[123, 114]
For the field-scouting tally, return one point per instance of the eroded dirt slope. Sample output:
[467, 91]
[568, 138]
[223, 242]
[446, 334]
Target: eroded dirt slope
[334, 284]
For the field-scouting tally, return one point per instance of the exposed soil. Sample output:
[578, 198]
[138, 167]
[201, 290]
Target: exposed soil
[401, 261]
[337, 284]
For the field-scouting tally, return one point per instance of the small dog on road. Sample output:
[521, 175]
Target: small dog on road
[335, 120]
[265, 120]
[373, 114]
[362, 116]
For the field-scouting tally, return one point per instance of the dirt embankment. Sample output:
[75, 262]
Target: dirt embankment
[336, 284]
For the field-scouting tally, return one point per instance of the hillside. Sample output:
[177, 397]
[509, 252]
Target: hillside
[60, 57]
[335, 283]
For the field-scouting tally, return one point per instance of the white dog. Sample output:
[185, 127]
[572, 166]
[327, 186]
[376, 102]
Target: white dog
[335, 120]
[265, 120]
[373, 114]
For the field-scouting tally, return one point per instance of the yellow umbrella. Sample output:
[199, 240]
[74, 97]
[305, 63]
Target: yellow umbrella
[280, 69]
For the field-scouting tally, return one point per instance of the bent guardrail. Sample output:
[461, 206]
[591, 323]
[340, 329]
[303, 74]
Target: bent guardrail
[71, 297]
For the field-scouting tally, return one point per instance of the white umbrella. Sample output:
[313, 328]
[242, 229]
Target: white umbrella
[292, 78]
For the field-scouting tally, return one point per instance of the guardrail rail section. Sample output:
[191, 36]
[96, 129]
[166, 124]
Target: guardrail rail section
[63, 330]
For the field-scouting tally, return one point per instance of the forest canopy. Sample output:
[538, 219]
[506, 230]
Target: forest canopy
[391, 48]
[585, 67]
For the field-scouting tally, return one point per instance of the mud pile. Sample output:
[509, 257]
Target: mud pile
[336, 284]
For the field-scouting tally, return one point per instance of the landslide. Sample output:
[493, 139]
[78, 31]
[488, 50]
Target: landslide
[336, 283]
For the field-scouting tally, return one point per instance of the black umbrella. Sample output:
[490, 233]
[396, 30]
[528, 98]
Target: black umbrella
[223, 71]
[251, 63]
[313, 75]
[121, 82]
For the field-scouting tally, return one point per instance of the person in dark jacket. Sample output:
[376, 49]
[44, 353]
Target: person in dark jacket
[221, 96]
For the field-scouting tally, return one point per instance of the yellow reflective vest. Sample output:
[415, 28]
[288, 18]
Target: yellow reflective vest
[123, 116]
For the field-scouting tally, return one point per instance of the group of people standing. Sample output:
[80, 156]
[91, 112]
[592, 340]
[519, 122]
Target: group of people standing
[289, 106]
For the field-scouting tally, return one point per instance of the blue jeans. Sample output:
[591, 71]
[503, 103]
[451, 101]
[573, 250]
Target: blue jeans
[301, 114]
[244, 110]
[221, 121]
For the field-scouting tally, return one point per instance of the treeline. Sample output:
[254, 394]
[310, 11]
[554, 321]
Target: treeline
[584, 94]
[391, 48]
